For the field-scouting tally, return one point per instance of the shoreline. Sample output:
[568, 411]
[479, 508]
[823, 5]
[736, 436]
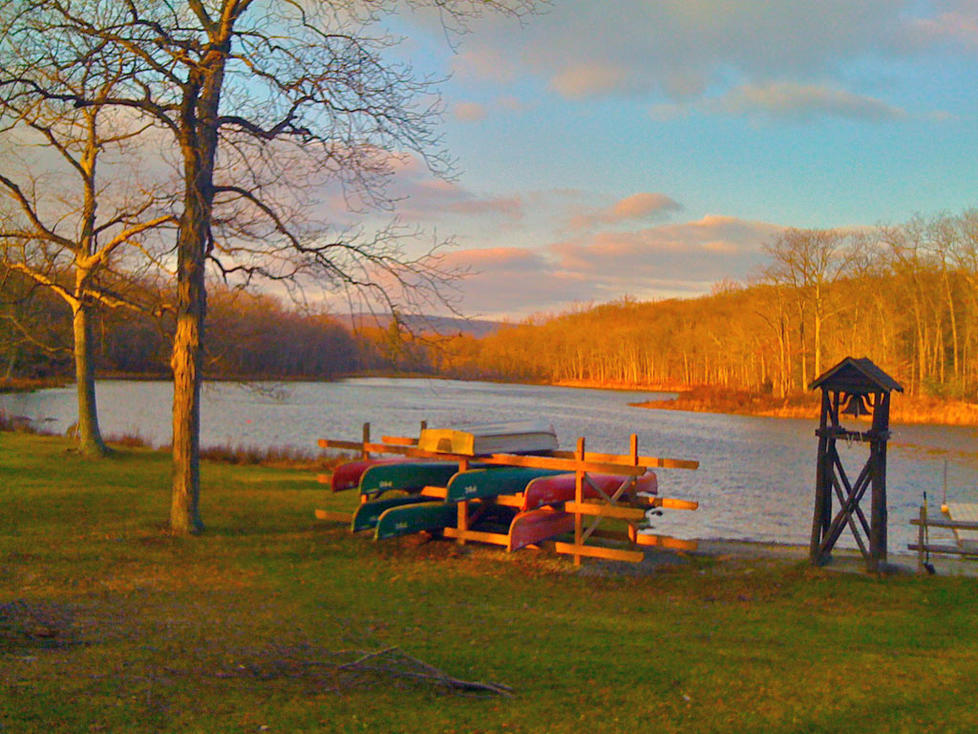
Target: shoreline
[905, 410]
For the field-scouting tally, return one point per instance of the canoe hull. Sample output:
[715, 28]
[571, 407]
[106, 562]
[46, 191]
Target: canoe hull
[409, 476]
[534, 526]
[347, 476]
[367, 514]
[414, 518]
[481, 483]
[552, 490]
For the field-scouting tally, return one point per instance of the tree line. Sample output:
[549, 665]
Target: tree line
[905, 296]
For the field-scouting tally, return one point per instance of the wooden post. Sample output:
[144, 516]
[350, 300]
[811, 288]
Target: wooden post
[463, 509]
[366, 439]
[878, 513]
[921, 537]
[823, 492]
[579, 497]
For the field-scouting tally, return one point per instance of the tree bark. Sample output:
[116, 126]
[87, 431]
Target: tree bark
[90, 441]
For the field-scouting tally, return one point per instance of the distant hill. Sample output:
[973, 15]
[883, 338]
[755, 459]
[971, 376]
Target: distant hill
[421, 323]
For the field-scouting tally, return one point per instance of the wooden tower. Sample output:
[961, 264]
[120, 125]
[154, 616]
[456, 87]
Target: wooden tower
[864, 390]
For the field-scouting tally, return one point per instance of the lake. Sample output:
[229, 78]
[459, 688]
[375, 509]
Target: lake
[755, 480]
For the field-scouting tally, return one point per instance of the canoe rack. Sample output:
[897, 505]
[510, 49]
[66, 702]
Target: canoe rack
[587, 512]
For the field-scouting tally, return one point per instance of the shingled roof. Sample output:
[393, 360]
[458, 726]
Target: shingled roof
[853, 375]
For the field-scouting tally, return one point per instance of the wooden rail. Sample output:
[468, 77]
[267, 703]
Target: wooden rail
[924, 546]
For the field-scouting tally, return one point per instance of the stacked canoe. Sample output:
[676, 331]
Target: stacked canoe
[505, 484]
[402, 497]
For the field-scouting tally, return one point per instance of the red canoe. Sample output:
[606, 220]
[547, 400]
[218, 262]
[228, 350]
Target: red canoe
[533, 526]
[559, 488]
[347, 476]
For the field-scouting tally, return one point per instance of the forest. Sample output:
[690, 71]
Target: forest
[905, 296]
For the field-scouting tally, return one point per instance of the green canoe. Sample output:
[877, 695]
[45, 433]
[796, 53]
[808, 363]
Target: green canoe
[366, 515]
[492, 482]
[410, 476]
[413, 518]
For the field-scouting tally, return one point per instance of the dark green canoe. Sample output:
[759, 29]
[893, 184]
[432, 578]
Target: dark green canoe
[492, 482]
[413, 518]
[366, 515]
[409, 476]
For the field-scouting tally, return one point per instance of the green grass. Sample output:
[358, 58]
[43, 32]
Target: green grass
[109, 624]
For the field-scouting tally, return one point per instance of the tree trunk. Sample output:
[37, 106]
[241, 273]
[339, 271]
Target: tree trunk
[186, 363]
[90, 441]
[198, 147]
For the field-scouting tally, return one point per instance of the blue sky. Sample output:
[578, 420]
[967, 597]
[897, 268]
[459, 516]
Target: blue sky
[652, 148]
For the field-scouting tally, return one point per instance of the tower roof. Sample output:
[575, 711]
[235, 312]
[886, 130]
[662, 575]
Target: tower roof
[854, 375]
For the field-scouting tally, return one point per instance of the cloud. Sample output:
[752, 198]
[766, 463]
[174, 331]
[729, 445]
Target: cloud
[779, 61]
[515, 282]
[712, 247]
[588, 80]
[955, 23]
[469, 111]
[682, 259]
[803, 102]
[639, 206]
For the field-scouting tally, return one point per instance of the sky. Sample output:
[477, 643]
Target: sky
[651, 149]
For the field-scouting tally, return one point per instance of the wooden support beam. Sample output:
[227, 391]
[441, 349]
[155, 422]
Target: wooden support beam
[600, 509]
[599, 551]
[530, 460]
[477, 535]
[647, 462]
[660, 541]
[399, 440]
[332, 516]
[671, 503]
[957, 524]
[438, 493]
[935, 548]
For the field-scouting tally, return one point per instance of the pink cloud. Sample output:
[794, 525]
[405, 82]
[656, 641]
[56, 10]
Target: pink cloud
[587, 80]
[469, 111]
[669, 260]
[635, 207]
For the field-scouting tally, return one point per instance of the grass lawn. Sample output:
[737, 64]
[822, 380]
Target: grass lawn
[109, 624]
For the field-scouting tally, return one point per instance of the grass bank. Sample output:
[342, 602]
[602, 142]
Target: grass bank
[904, 409]
[262, 624]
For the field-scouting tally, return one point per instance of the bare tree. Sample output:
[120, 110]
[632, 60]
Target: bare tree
[60, 224]
[809, 260]
[236, 83]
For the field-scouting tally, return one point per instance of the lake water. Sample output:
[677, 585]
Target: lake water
[755, 480]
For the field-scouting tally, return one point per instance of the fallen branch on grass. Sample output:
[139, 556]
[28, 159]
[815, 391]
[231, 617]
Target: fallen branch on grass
[398, 663]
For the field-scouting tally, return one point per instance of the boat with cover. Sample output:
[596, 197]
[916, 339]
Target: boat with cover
[513, 437]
